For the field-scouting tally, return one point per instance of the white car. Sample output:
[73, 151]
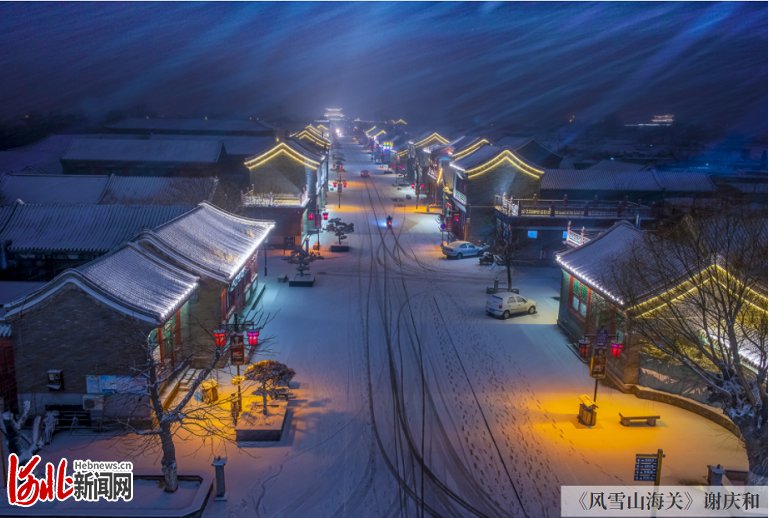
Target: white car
[504, 304]
[460, 249]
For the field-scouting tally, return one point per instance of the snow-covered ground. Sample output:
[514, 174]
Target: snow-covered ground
[410, 398]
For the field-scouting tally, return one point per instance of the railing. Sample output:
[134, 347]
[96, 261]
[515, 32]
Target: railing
[570, 208]
[252, 199]
[576, 239]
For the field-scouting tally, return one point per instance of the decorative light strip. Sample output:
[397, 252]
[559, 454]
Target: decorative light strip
[306, 135]
[378, 133]
[433, 135]
[372, 128]
[281, 148]
[312, 129]
[711, 276]
[471, 149]
[400, 121]
[321, 126]
[510, 158]
[594, 284]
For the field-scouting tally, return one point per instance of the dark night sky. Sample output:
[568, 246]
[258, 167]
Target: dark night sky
[526, 63]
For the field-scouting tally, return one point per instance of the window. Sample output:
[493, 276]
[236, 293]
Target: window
[579, 297]
[565, 234]
[532, 234]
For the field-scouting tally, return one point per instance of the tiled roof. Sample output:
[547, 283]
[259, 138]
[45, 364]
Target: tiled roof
[599, 180]
[40, 157]
[139, 150]
[288, 147]
[52, 188]
[590, 262]
[81, 228]
[482, 155]
[234, 145]
[209, 241]
[196, 125]
[625, 180]
[685, 181]
[129, 280]
[154, 190]
[616, 165]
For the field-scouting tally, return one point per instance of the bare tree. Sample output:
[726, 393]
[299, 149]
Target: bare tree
[269, 375]
[507, 246]
[202, 419]
[697, 293]
[300, 257]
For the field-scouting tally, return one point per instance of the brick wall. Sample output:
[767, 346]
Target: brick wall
[81, 336]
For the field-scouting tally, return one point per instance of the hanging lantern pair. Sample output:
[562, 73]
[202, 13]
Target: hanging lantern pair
[616, 349]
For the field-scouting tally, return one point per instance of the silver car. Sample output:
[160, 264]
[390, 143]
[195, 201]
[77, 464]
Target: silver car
[460, 249]
[504, 304]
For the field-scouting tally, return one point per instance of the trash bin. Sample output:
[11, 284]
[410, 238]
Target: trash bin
[587, 411]
[210, 391]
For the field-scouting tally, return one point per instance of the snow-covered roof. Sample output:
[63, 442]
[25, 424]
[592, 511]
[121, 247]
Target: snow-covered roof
[57, 189]
[209, 241]
[616, 165]
[625, 180]
[129, 280]
[478, 157]
[194, 125]
[52, 188]
[234, 145]
[685, 181]
[81, 228]
[429, 137]
[158, 190]
[40, 157]
[290, 148]
[138, 150]
[589, 262]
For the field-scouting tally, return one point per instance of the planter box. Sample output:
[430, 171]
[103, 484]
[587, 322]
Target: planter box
[340, 248]
[304, 281]
[255, 426]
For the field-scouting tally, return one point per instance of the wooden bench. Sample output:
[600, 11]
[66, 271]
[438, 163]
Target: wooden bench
[651, 420]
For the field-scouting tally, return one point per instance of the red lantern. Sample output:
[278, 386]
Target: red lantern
[344, 183]
[253, 336]
[325, 215]
[412, 185]
[456, 218]
[421, 186]
[311, 216]
[584, 348]
[220, 337]
[616, 350]
[335, 185]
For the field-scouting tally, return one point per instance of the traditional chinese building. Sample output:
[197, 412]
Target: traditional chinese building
[79, 341]
[287, 181]
[221, 249]
[477, 177]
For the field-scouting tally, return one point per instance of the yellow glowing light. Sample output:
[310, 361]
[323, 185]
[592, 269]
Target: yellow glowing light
[281, 149]
[322, 127]
[312, 129]
[440, 174]
[368, 131]
[306, 135]
[434, 136]
[472, 149]
[508, 157]
[400, 121]
[403, 153]
[710, 274]
[378, 133]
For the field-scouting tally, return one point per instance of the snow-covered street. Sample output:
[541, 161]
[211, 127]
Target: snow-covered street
[410, 399]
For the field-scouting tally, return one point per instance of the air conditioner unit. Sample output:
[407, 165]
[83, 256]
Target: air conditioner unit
[93, 402]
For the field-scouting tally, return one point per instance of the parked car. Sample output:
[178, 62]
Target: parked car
[364, 173]
[504, 304]
[460, 249]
